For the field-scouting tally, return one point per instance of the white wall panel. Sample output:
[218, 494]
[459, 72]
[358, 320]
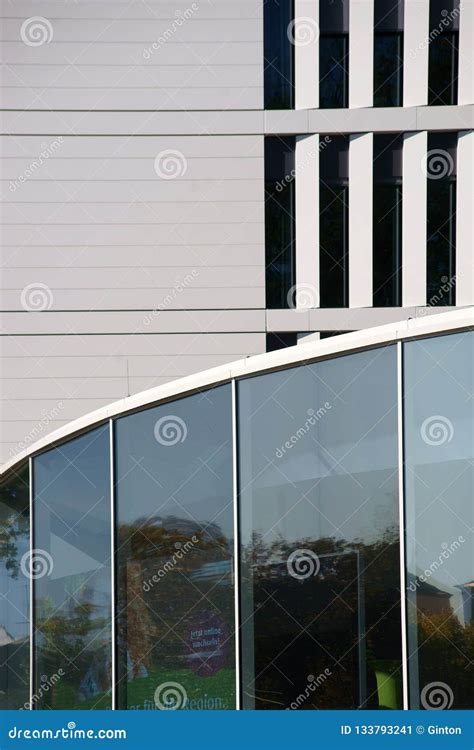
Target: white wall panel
[307, 221]
[465, 220]
[134, 56]
[414, 219]
[415, 52]
[306, 32]
[361, 53]
[466, 53]
[360, 220]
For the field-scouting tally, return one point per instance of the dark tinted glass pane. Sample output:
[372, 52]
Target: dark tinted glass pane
[387, 211]
[441, 242]
[388, 70]
[333, 71]
[439, 491]
[72, 595]
[333, 255]
[277, 341]
[14, 590]
[175, 555]
[278, 54]
[279, 221]
[320, 559]
[443, 70]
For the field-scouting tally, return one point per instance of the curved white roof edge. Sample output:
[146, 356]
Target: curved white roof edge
[430, 325]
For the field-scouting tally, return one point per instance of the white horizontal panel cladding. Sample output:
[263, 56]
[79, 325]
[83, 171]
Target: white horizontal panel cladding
[137, 321]
[130, 345]
[130, 9]
[133, 56]
[173, 221]
[131, 256]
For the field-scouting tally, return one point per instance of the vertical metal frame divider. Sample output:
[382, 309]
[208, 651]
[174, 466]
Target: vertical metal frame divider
[112, 565]
[401, 513]
[31, 597]
[235, 508]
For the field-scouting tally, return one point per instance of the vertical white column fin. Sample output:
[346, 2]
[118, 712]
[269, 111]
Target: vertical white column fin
[414, 219]
[415, 52]
[466, 53]
[361, 53]
[307, 221]
[305, 36]
[360, 220]
[235, 497]
[112, 565]
[465, 220]
[401, 510]
[31, 593]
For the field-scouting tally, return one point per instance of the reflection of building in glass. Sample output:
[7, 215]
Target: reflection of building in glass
[151, 556]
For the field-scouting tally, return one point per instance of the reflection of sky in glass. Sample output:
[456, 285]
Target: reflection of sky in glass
[332, 465]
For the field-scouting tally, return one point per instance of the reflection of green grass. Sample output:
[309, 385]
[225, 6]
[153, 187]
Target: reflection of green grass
[65, 697]
[216, 691]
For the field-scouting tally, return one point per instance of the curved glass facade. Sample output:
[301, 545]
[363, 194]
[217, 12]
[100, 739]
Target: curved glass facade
[280, 541]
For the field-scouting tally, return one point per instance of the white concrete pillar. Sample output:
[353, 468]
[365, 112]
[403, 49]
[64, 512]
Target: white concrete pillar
[465, 220]
[360, 220]
[361, 53]
[307, 221]
[466, 56]
[414, 219]
[305, 37]
[415, 52]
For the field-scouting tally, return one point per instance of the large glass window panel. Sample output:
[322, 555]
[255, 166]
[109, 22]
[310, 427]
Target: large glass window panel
[333, 71]
[278, 54]
[14, 590]
[320, 597]
[175, 593]
[441, 219]
[439, 491]
[387, 207]
[443, 70]
[279, 221]
[388, 70]
[387, 221]
[333, 223]
[72, 592]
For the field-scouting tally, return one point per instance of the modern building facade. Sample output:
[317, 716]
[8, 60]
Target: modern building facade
[291, 531]
[184, 186]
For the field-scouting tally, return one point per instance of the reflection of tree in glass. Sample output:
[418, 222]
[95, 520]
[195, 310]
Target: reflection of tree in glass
[167, 579]
[346, 614]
